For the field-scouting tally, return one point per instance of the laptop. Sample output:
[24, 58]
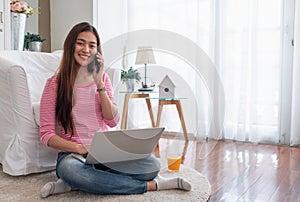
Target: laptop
[121, 145]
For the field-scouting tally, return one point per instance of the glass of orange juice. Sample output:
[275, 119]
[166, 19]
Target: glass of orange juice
[174, 161]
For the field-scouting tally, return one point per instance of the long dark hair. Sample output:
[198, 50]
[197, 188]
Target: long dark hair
[66, 76]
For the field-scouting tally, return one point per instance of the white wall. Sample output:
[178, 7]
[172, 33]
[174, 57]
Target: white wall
[64, 15]
[32, 24]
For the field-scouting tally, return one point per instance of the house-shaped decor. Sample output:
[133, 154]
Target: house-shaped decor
[166, 88]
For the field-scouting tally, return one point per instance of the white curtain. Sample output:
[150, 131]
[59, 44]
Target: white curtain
[250, 43]
[250, 59]
[295, 126]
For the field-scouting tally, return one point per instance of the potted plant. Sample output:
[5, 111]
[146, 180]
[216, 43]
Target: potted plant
[129, 77]
[33, 42]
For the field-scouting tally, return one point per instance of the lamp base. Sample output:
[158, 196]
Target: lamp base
[146, 89]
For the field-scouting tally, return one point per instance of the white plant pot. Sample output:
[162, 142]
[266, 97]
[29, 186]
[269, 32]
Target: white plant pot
[130, 85]
[35, 46]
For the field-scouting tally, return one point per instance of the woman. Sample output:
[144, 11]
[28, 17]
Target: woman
[76, 102]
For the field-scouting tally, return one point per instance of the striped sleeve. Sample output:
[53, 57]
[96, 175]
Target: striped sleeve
[47, 110]
[109, 90]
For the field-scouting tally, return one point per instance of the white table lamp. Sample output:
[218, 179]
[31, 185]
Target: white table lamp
[145, 56]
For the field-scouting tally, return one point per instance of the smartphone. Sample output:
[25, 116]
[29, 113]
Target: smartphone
[95, 62]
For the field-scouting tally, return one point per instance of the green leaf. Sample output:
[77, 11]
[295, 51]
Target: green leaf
[130, 74]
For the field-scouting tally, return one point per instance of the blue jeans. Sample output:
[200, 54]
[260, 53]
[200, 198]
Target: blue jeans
[102, 179]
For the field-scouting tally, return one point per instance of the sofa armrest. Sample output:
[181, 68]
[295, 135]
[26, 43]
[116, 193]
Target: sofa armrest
[21, 81]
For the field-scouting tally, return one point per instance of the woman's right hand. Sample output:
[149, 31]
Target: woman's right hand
[81, 149]
[59, 143]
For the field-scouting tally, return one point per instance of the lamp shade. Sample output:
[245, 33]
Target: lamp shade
[145, 56]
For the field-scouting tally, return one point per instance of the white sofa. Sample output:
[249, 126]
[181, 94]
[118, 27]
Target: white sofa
[22, 78]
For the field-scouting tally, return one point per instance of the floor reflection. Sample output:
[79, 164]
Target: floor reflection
[240, 171]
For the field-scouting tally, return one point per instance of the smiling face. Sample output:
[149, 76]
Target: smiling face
[85, 48]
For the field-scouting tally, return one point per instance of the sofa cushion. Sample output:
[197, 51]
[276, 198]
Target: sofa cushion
[37, 67]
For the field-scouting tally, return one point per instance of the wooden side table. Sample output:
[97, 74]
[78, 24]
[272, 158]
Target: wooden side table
[171, 101]
[131, 95]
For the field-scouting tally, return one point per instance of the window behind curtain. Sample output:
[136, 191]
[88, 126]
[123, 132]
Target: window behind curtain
[248, 42]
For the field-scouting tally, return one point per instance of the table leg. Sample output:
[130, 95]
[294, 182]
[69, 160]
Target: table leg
[125, 112]
[180, 113]
[125, 108]
[179, 109]
[150, 112]
[160, 107]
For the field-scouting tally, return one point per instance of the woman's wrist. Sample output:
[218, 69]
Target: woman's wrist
[80, 149]
[100, 84]
[101, 87]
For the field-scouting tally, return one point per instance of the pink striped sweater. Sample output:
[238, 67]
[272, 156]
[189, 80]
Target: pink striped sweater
[87, 112]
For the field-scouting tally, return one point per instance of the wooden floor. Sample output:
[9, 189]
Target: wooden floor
[240, 171]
